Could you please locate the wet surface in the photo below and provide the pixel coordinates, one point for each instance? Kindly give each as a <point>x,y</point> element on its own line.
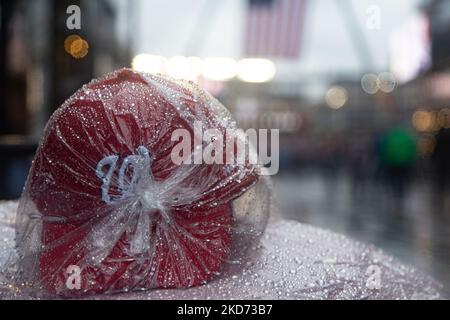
<point>302,261</point>
<point>293,261</point>
<point>414,230</point>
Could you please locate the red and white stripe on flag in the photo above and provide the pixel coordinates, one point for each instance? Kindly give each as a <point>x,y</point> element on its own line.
<point>274,28</point>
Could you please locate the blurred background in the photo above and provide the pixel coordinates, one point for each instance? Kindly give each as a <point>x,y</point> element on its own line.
<point>360,90</point>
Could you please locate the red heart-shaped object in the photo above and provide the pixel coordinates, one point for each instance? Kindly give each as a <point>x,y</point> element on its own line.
<point>111,202</point>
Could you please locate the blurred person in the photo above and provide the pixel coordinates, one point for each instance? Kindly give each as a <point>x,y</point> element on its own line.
<point>398,154</point>
<point>363,165</point>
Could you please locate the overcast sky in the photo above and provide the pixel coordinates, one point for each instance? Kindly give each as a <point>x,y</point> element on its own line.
<point>166,27</point>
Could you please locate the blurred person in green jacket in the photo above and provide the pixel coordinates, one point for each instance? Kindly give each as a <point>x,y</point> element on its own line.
<point>398,155</point>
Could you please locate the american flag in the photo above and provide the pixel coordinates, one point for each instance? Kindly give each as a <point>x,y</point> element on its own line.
<point>274,28</point>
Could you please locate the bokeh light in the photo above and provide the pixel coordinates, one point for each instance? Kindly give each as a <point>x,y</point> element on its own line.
<point>76,46</point>
<point>370,83</point>
<point>180,67</point>
<point>387,82</point>
<point>149,63</point>
<point>426,145</point>
<point>336,97</point>
<point>422,120</point>
<point>79,48</point>
<point>443,118</point>
<point>219,68</point>
<point>68,41</point>
<point>256,70</point>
